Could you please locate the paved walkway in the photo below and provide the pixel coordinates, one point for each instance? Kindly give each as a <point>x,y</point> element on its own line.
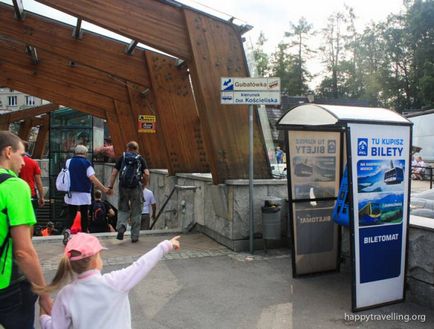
<point>419,186</point>
<point>206,285</point>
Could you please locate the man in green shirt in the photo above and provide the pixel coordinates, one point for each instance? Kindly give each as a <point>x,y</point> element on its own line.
<point>19,262</point>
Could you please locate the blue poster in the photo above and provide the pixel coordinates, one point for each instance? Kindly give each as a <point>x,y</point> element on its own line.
<point>380,173</point>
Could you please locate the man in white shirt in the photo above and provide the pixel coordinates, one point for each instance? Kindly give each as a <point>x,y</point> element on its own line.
<point>149,202</point>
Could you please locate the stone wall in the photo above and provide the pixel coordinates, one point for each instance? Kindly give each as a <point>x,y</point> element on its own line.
<point>420,265</point>
<point>220,211</point>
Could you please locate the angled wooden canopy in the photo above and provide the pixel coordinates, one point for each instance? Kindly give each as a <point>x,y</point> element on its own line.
<point>29,118</point>
<point>112,80</point>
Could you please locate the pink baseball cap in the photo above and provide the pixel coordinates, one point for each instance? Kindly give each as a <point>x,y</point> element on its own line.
<point>86,244</point>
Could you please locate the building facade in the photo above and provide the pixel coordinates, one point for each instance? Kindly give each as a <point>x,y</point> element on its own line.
<point>13,100</point>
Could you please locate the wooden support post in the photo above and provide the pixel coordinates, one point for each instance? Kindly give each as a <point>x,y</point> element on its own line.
<point>152,146</point>
<point>42,138</point>
<point>25,129</point>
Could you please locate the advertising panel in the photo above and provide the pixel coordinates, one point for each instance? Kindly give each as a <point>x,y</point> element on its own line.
<point>314,167</point>
<point>380,172</point>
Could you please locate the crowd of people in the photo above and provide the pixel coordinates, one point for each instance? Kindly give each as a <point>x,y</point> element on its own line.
<point>22,282</point>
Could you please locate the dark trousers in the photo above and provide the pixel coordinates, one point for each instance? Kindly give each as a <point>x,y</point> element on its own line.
<point>72,211</point>
<point>17,306</point>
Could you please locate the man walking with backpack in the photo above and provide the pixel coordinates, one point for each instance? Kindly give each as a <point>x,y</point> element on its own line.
<point>133,177</point>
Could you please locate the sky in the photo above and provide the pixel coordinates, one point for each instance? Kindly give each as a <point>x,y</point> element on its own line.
<point>273,16</point>
<point>270,16</point>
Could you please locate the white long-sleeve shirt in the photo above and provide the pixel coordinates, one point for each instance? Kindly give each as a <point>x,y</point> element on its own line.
<point>101,301</point>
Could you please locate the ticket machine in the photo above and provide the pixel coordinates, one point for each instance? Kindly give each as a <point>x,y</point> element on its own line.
<point>350,166</point>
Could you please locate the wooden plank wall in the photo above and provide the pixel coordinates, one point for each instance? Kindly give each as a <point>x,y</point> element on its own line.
<point>217,52</point>
<point>151,145</point>
<point>177,115</point>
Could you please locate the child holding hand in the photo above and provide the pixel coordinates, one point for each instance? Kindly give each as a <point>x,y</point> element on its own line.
<point>93,300</point>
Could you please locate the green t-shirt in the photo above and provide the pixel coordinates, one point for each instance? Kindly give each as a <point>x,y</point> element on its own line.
<point>15,198</point>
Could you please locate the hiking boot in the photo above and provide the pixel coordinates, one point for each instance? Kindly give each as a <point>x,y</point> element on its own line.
<point>121,232</point>
<point>66,236</point>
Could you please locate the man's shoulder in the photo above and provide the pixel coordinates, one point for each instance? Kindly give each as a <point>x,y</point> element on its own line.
<point>13,180</point>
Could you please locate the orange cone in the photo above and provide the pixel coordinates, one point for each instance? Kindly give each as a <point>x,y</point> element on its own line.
<point>76,226</point>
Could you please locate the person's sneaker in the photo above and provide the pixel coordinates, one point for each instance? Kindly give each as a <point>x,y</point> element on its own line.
<point>66,236</point>
<point>134,240</point>
<point>121,232</point>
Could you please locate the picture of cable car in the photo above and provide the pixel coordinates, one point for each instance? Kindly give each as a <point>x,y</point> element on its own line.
<point>303,170</point>
<point>395,175</point>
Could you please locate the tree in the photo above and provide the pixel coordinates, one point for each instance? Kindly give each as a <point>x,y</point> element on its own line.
<point>299,35</point>
<point>261,57</point>
<point>420,29</point>
<point>332,51</point>
<point>281,66</point>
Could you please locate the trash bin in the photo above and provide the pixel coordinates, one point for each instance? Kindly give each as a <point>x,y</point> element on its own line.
<point>271,223</point>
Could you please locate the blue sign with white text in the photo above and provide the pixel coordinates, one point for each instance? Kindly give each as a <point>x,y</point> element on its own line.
<point>380,252</point>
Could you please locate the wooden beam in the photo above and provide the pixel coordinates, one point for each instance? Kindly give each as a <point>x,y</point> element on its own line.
<point>56,67</point>
<point>217,52</point>
<point>39,121</point>
<point>57,87</point>
<point>50,93</point>
<point>41,139</point>
<point>30,112</point>
<point>115,130</point>
<point>152,146</point>
<point>4,125</point>
<point>152,22</point>
<point>126,121</point>
<point>93,50</point>
<point>177,114</point>
<point>25,128</point>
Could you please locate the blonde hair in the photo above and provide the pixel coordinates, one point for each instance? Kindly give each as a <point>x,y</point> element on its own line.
<point>80,149</point>
<point>65,272</point>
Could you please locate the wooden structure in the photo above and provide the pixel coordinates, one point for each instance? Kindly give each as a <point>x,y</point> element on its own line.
<point>118,82</point>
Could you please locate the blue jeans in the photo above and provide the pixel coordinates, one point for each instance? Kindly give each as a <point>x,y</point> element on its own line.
<point>17,306</point>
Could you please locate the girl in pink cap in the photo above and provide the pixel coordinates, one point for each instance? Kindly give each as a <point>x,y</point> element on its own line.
<point>93,300</point>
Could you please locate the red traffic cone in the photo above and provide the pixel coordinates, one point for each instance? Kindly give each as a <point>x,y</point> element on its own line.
<point>76,226</point>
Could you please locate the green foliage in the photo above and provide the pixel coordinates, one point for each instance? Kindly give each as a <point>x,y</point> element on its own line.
<point>390,64</point>
<point>261,57</point>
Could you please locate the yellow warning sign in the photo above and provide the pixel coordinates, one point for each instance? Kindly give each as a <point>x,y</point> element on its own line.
<point>147,124</point>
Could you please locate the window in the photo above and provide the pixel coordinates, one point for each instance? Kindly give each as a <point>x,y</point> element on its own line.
<point>12,100</point>
<point>30,100</point>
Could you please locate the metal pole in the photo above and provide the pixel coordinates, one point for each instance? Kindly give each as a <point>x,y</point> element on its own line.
<point>251,218</point>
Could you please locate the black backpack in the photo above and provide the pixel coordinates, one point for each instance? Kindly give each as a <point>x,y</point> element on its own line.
<point>131,170</point>
<point>99,213</point>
